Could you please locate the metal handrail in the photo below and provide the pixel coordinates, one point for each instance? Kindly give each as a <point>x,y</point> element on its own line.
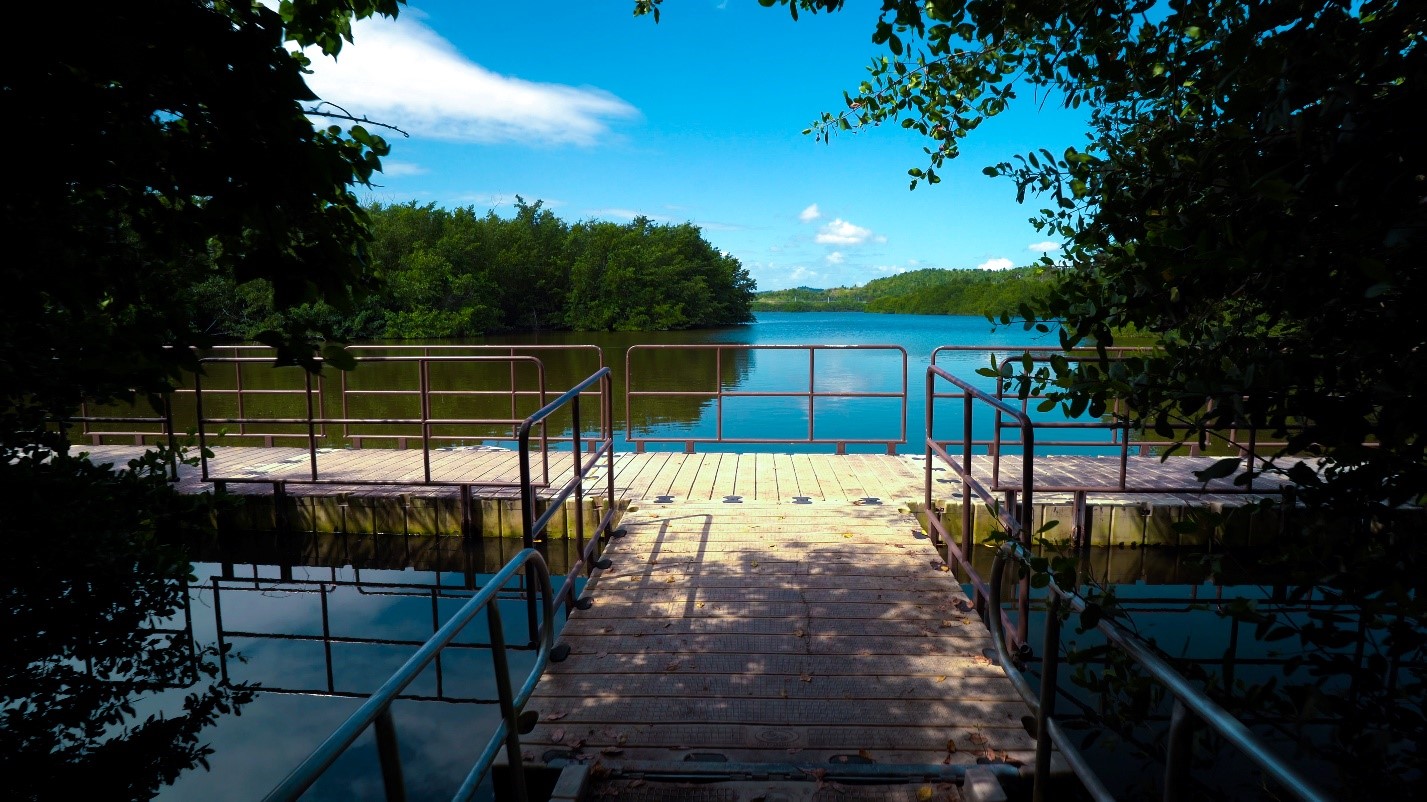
<point>377,709</point>
<point>1118,427</point>
<point>162,426</point>
<point>718,394</point>
<point>1191,705</point>
<point>314,421</point>
<point>1016,518</point>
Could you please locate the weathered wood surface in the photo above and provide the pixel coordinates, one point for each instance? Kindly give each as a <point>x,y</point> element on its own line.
<point>776,632</point>
<point>696,477</point>
<point>669,477</point>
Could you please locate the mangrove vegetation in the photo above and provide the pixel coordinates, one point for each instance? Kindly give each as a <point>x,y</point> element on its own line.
<point>441,273</point>
<point>931,291</point>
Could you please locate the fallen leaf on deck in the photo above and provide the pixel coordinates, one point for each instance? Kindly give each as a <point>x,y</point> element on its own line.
<point>806,677</point>
<point>941,678</point>
<point>557,736</point>
<point>674,666</point>
<point>555,716</point>
<point>798,633</point>
<point>947,623</point>
<point>699,604</point>
<point>924,793</point>
<point>978,739</point>
<point>950,745</point>
<point>611,750</point>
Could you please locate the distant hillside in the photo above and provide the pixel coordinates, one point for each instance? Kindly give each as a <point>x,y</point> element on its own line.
<point>932,291</point>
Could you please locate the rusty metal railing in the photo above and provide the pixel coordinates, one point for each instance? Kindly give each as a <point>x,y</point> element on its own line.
<point>1192,707</point>
<point>810,394</point>
<point>1240,440</point>
<point>542,605</point>
<point>133,422</point>
<point>1015,516</point>
<point>311,427</point>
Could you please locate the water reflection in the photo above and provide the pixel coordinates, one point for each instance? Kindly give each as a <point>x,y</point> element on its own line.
<point>319,622</point>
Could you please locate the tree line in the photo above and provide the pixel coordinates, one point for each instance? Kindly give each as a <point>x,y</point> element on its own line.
<point>442,273</point>
<point>931,291</point>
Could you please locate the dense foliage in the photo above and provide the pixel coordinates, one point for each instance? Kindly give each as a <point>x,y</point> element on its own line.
<point>1251,194</point>
<point>167,144</point>
<point>455,273</point>
<point>931,291</point>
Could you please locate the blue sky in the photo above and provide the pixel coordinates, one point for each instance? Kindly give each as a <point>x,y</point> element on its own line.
<point>602,115</point>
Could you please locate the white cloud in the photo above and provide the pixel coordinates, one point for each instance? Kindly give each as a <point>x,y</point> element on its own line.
<point>841,232</point>
<point>835,258</point>
<point>999,263</point>
<point>403,73</point>
<point>1044,247</point>
<point>801,273</point>
<point>392,169</point>
<point>891,269</point>
<point>810,214</point>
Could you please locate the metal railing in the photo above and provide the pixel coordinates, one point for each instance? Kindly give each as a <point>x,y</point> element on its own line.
<point>98,423</point>
<point>376,711</point>
<point>810,394</point>
<point>1120,437</point>
<point>1192,707</point>
<point>311,427</point>
<point>1015,517</point>
<point>1010,637</point>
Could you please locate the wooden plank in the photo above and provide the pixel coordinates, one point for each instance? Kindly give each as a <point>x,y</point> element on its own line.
<point>759,629</point>
<point>746,480</point>
<point>701,487</point>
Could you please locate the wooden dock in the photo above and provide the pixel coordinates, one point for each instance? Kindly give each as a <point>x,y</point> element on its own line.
<point>407,507</point>
<point>769,632</point>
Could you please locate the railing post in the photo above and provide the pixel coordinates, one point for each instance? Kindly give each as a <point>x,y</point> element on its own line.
<point>508,713</point>
<point>311,427</point>
<point>1177,761</point>
<point>425,383</point>
<point>1050,664</point>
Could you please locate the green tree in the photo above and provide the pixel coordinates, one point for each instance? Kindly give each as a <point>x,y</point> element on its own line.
<point>1252,194</point>
<point>169,151</point>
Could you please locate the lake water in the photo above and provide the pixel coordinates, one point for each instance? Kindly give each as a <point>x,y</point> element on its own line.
<point>321,621</point>
<point>786,371</point>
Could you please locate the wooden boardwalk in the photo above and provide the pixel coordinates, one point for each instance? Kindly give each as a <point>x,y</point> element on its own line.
<point>408,507</point>
<point>776,632</point>
<point>677,476</point>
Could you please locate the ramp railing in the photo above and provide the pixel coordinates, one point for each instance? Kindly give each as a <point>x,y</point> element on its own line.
<point>542,607</point>
<point>1192,709</point>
